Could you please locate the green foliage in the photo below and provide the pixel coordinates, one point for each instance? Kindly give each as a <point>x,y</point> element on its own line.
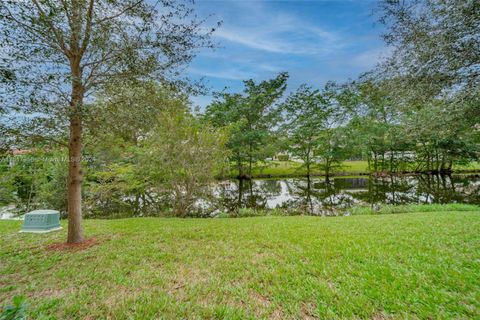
<point>435,52</point>
<point>375,123</point>
<point>306,115</point>
<point>159,162</point>
<point>35,180</point>
<point>395,138</point>
<point>101,43</point>
<point>125,111</point>
<point>17,311</point>
<point>356,210</point>
<point>148,155</point>
<point>7,188</point>
<point>180,159</point>
<point>431,80</point>
<point>116,190</point>
<point>250,118</point>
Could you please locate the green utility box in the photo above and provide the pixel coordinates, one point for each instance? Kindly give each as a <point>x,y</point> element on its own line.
<point>41,221</point>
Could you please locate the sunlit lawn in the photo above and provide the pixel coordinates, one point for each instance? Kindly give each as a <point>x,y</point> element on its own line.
<point>416,265</point>
<point>292,168</point>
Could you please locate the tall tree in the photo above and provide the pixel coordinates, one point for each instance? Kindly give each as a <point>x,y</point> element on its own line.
<point>61,51</point>
<point>436,52</point>
<point>251,117</point>
<point>433,75</point>
<point>306,114</point>
<point>335,137</point>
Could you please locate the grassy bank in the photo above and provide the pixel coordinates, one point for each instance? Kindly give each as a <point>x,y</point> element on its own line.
<point>272,169</point>
<point>413,208</point>
<point>357,210</point>
<point>416,265</point>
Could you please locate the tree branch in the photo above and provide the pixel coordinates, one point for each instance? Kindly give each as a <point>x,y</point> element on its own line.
<point>120,13</point>
<point>88,28</point>
<point>55,31</point>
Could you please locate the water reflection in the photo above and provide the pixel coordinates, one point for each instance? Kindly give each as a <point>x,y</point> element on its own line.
<point>318,196</point>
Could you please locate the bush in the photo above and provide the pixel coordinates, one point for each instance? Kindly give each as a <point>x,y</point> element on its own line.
<point>180,159</point>
<point>283,157</point>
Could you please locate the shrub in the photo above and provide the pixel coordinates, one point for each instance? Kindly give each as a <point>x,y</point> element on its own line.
<point>283,157</point>
<point>180,159</point>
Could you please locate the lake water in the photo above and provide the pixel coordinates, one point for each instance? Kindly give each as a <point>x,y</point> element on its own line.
<point>318,196</point>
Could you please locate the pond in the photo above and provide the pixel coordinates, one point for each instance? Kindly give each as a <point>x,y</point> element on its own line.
<point>318,196</point>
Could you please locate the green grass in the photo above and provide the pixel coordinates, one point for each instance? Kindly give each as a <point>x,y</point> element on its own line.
<point>416,265</point>
<point>473,166</point>
<point>293,169</point>
<point>357,210</point>
<point>393,209</point>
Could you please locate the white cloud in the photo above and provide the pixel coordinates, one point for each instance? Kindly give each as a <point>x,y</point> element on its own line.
<point>256,26</point>
<point>250,40</point>
<point>228,74</point>
<point>300,41</point>
<point>369,59</point>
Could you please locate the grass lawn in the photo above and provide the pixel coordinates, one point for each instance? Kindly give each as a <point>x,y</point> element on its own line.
<point>291,169</point>
<point>415,265</point>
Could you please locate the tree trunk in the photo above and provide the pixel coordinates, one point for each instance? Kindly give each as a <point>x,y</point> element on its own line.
<point>308,163</point>
<point>309,196</point>
<point>327,170</point>
<point>75,231</point>
<point>250,161</point>
<point>391,160</point>
<point>240,193</point>
<point>383,159</point>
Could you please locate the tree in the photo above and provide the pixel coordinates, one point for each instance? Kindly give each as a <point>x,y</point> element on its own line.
<point>180,158</point>
<point>335,137</point>
<point>434,78</point>
<point>437,143</point>
<point>333,148</point>
<point>112,116</point>
<point>251,118</point>
<point>33,180</point>
<point>305,117</point>
<point>378,121</point>
<point>62,51</point>
<point>436,53</point>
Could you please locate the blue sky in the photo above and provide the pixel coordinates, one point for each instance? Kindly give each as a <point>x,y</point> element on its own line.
<point>315,41</point>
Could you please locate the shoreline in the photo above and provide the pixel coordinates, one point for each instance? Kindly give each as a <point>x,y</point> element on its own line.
<point>348,174</point>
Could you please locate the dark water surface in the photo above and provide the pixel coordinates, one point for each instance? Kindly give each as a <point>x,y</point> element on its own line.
<point>318,196</point>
